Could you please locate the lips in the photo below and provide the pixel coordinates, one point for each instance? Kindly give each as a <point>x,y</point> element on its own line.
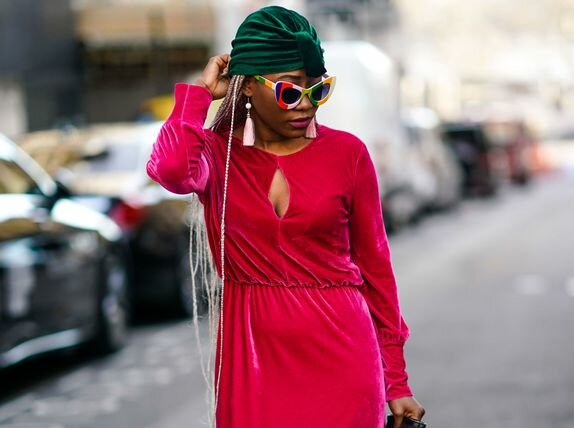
<point>301,122</point>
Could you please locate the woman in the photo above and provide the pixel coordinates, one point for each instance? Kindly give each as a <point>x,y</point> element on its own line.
<point>311,333</point>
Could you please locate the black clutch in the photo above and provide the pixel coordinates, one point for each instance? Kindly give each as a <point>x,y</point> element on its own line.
<point>407,422</point>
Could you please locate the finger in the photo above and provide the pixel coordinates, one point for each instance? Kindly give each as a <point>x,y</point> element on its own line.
<point>219,60</point>
<point>398,421</point>
<point>223,59</point>
<point>420,414</point>
<point>212,67</point>
<point>416,414</point>
<point>224,73</point>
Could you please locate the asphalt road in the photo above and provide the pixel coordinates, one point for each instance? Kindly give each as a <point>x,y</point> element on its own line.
<point>487,290</point>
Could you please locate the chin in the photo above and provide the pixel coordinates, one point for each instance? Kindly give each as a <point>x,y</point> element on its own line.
<point>295,133</point>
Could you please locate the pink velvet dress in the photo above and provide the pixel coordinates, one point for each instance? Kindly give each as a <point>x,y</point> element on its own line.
<point>313,333</point>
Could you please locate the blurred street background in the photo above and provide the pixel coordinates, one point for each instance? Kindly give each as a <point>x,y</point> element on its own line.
<point>467,109</point>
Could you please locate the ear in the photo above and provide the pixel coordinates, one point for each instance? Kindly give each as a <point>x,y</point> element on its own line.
<point>247,87</point>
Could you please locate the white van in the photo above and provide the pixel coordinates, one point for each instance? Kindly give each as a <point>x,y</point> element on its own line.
<point>365,102</point>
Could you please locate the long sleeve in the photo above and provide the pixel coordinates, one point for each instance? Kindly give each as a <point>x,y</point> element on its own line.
<point>371,253</point>
<point>178,161</point>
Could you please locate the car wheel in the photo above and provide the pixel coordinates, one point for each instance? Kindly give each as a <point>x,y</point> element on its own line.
<point>521,179</point>
<point>113,306</point>
<point>388,221</point>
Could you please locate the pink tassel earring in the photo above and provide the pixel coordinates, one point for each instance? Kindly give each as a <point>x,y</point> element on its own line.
<point>248,130</point>
<point>311,131</point>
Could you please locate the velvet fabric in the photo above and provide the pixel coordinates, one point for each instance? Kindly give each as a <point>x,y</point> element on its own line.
<point>313,333</point>
<point>275,39</point>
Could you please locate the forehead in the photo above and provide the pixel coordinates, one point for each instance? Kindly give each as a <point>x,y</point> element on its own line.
<point>296,76</point>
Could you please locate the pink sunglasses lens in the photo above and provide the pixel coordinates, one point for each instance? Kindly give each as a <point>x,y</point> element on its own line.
<point>290,95</point>
<point>286,94</point>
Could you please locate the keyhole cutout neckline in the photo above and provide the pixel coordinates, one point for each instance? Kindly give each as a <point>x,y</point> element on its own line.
<point>282,200</point>
<point>278,170</point>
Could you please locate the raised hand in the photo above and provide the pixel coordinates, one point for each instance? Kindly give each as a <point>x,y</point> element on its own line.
<point>214,76</point>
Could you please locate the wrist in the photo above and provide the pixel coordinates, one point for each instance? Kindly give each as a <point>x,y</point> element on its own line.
<point>199,82</point>
<point>191,103</point>
<point>399,396</point>
<point>396,390</point>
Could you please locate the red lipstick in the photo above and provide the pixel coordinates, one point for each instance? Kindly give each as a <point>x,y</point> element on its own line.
<point>300,123</point>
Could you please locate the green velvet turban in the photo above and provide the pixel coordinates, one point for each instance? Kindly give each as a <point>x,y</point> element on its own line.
<point>274,39</point>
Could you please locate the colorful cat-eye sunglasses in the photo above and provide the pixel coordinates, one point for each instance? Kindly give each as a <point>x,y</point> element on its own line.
<point>289,95</point>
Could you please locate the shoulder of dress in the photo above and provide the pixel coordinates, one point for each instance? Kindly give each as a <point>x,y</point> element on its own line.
<point>215,139</point>
<point>344,140</point>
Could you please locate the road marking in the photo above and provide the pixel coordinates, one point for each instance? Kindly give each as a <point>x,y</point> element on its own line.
<point>570,286</point>
<point>531,285</point>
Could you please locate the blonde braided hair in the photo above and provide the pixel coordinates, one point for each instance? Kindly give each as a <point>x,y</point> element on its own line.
<point>231,112</point>
<point>222,120</point>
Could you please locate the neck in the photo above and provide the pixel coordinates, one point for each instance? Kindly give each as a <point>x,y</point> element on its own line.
<point>270,141</point>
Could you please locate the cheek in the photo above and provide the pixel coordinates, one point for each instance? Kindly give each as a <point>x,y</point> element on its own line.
<point>264,100</point>
<point>270,112</point>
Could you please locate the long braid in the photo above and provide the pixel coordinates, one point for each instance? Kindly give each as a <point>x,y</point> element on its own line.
<point>223,116</point>
<point>222,239</point>
<point>231,113</point>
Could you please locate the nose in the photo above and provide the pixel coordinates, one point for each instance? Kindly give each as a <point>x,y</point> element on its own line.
<point>305,103</point>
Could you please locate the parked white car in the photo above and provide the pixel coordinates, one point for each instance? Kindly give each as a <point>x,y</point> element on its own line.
<point>366,103</point>
<point>443,189</point>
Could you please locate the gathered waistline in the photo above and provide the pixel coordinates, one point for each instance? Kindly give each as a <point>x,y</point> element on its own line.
<point>294,284</point>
